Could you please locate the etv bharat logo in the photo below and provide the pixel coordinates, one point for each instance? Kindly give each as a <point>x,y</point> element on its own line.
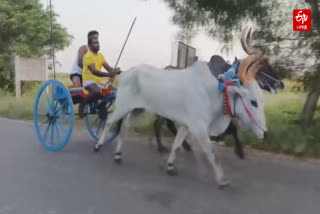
<point>301,20</point>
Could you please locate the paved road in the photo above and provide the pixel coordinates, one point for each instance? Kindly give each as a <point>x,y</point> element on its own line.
<point>76,180</point>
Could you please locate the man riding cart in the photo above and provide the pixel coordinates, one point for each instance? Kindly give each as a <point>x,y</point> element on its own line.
<point>94,80</point>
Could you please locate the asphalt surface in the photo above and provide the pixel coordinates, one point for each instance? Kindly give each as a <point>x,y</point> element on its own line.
<point>76,180</point>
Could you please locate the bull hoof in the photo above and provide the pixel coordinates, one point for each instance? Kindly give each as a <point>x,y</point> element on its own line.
<point>163,149</point>
<point>118,161</point>
<point>240,154</point>
<point>224,183</point>
<point>187,147</point>
<point>172,170</point>
<point>118,158</point>
<point>97,147</point>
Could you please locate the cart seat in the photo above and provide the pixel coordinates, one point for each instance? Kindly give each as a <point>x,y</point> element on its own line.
<point>78,94</point>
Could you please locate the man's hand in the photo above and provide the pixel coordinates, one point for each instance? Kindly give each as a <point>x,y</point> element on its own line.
<point>112,74</point>
<point>117,71</point>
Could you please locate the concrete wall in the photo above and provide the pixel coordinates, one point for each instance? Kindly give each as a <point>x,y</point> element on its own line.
<point>29,69</point>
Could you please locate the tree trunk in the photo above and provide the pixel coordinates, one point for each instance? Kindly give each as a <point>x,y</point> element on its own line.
<point>310,105</point>
<point>309,109</point>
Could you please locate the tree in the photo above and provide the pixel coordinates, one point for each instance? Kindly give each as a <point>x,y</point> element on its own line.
<point>313,79</point>
<point>292,51</point>
<point>220,19</point>
<point>25,30</point>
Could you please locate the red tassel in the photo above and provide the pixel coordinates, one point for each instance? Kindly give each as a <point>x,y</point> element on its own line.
<point>226,100</point>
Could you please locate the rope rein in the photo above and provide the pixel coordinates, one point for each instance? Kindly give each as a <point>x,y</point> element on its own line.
<point>227,106</point>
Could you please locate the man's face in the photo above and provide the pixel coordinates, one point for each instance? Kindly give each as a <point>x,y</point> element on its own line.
<point>95,45</point>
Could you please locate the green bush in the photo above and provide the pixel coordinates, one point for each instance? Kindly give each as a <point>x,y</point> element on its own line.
<point>6,73</point>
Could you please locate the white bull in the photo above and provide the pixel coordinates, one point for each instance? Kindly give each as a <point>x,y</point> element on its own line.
<point>192,99</point>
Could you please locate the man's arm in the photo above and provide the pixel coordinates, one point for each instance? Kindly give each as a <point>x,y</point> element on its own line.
<point>107,67</point>
<point>99,73</point>
<point>82,51</point>
<point>110,69</point>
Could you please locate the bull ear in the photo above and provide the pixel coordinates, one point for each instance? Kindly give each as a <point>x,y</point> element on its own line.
<point>238,90</point>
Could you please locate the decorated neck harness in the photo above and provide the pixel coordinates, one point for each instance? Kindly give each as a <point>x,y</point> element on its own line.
<point>231,78</point>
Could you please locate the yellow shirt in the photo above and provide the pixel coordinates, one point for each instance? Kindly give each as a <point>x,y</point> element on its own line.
<point>96,59</point>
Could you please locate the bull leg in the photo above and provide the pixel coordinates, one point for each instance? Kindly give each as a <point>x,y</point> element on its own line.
<point>173,129</point>
<point>208,148</point>
<point>157,130</point>
<point>123,131</point>
<point>114,128</point>
<point>118,152</point>
<point>113,125</point>
<point>181,135</point>
<point>100,142</point>
<point>238,148</point>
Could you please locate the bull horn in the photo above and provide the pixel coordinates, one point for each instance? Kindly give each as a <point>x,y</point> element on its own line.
<point>245,41</point>
<point>253,69</point>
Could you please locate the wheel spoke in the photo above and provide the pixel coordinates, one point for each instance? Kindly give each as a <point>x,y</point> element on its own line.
<point>63,108</point>
<point>61,126</point>
<point>44,122</point>
<point>57,109</point>
<point>98,128</point>
<point>108,105</point>
<point>57,130</point>
<point>46,132</point>
<point>58,112</point>
<point>53,94</point>
<point>52,133</point>
<point>45,106</point>
<point>64,114</point>
<point>56,106</point>
<point>95,121</point>
<point>42,114</point>
<point>48,101</point>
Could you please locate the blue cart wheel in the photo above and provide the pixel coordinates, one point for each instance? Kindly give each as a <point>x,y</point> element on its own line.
<point>96,116</point>
<point>53,115</point>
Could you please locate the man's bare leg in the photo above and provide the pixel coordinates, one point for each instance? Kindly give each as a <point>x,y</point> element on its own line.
<point>76,82</point>
<point>94,94</point>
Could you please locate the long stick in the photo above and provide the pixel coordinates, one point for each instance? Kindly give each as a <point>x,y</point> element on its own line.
<point>112,79</point>
<point>125,41</point>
